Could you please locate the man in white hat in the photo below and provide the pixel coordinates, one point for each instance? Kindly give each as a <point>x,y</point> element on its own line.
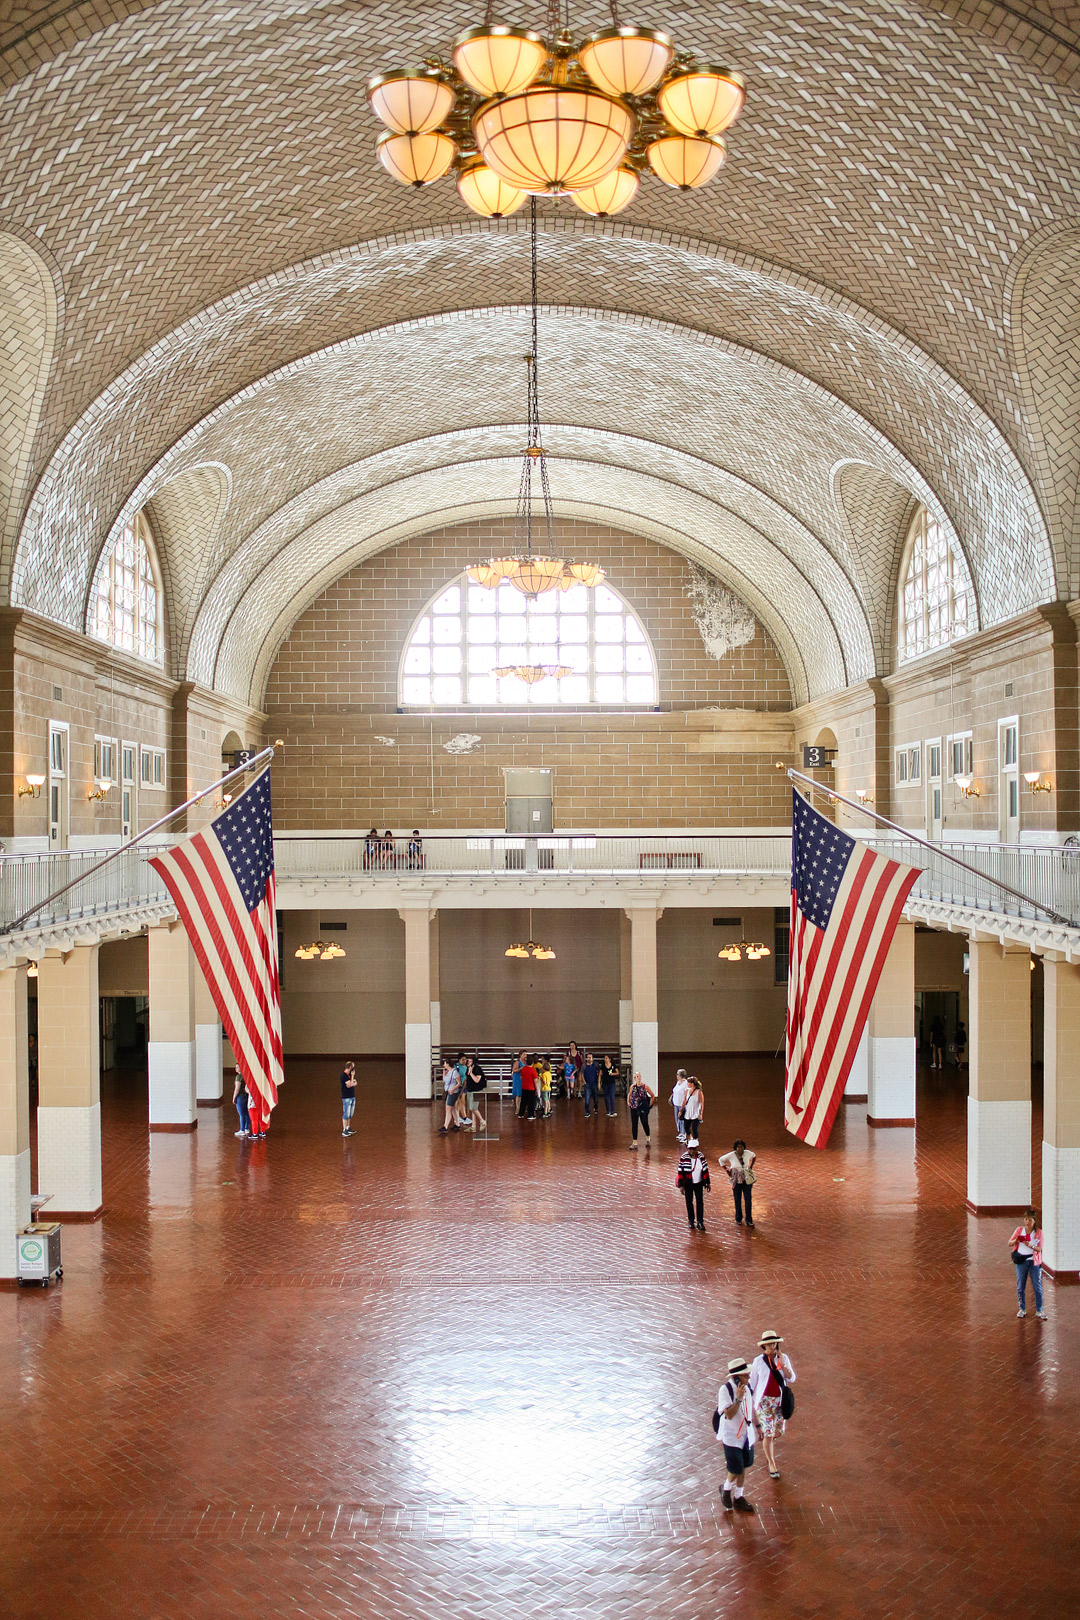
<point>736,1434</point>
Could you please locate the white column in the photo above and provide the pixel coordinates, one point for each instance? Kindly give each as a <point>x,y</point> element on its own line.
<point>14,1115</point>
<point>417,920</point>
<point>209,1064</point>
<point>170,1054</point>
<point>890,1091</point>
<point>434,1004</point>
<point>644,1033</point>
<point>999,1078</point>
<point>1061,1122</point>
<point>69,1096</point>
<point>626,983</point>
<point>857,1088</point>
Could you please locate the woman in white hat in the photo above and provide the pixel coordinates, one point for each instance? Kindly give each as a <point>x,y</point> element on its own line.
<point>770,1376</point>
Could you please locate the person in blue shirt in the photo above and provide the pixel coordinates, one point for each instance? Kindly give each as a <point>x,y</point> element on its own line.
<point>591,1072</point>
<point>515,1082</point>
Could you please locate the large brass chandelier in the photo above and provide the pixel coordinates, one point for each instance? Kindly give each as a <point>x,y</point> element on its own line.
<point>516,113</point>
<point>533,571</point>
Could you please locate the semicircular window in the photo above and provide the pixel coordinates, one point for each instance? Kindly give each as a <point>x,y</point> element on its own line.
<point>936,606</point>
<point>127,603</point>
<point>467,632</point>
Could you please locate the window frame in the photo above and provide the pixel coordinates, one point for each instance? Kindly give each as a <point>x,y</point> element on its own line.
<point>964,741</point>
<point>101,743</point>
<point>524,705</point>
<point>155,758</point>
<point>104,595</point>
<point>958,603</point>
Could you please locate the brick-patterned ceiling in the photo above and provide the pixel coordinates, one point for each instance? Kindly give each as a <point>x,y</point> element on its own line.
<point>242,318</point>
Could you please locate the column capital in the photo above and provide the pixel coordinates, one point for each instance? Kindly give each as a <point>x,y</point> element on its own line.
<point>421,908</point>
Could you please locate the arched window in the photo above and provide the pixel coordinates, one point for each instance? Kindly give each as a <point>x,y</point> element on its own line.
<point>467,632</point>
<point>127,611</point>
<point>934,599</point>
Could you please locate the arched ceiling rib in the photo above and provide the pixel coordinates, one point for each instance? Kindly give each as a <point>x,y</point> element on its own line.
<point>779,594</point>
<point>728,406</point>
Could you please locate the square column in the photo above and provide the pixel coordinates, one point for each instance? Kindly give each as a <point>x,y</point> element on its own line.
<point>435,1005</point>
<point>170,1054</point>
<point>999,1078</point>
<point>69,1094</point>
<point>644,1032</point>
<point>890,1090</point>
<point>209,1085</point>
<point>1061,1122</point>
<point>857,1088</point>
<point>417,920</point>
<point>14,1115</point>
<point>626,990</point>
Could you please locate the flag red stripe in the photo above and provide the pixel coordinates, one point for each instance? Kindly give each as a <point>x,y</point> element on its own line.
<point>228,907</point>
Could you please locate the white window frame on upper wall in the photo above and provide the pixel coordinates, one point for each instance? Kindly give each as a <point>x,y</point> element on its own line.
<point>154,758</point>
<point>105,759</point>
<point>127,605</point>
<point>935,808</point>
<point>935,602</point>
<point>59,783</point>
<point>129,788</point>
<point>482,608</point>
<point>900,762</point>
<point>963,741</point>
<point>1008,777</point>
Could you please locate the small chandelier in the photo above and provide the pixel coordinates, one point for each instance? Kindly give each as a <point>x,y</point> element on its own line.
<point>320,950</point>
<point>517,114</point>
<point>735,953</point>
<point>534,572</point>
<point>522,952</point>
<point>531,673</point>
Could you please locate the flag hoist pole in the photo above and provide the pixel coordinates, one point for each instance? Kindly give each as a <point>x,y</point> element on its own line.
<point>265,755</point>
<point>935,849</point>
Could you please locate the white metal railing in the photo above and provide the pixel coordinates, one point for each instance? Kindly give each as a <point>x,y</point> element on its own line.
<point>1049,877</point>
<point>496,855</point>
<point>27,881</point>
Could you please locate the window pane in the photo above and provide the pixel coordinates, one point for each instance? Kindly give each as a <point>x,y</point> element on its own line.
<point>609,689</point>
<point>449,601</point>
<point>417,661</point>
<point>638,660</point>
<point>609,658</point>
<point>640,689</point>
<point>415,690</point>
<point>606,601</point>
<point>446,660</point>
<point>422,633</point>
<point>634,632</point>
<point>509,600</point>
<point>483,689</point>
<point>448,629</point>
<point>574,689</point>
<point>608,627</point>
<point>482,630</point>
<point>575,600</point>
<point>573,627</point>
<point>481,660</point>
<point>480,601</point>
<point>446,689</point>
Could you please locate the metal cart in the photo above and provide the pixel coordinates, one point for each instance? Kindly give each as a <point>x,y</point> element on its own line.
<point>37,1248</point>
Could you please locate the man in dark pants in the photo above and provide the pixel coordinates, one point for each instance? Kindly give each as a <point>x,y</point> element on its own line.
<point>693,1178</point>
<point>528,1087</point>
<point>591,1072</point>
<point>736,1433</point>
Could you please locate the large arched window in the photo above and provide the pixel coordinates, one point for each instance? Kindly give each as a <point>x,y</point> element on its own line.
<point>934,601</point>
<point>127,609</point>
<point>467,632</point>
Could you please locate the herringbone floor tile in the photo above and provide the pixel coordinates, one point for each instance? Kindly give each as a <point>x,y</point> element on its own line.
<point>406,1375</point>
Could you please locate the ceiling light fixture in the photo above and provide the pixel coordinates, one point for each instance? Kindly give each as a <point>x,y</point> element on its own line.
<point>531,673</point>
<point>547,116</point>
<point>320,950</point>
<point>530,571</point>
<point>523,951</point>
<point>735,953</point>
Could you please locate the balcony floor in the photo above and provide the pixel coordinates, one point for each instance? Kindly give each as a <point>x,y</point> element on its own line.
<point>408,1375</point>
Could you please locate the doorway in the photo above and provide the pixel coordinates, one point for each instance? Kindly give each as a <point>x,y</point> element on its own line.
<point>1009,780</point>
<point>528,803</point>
<point>933,788</point>
<point>58,784</point>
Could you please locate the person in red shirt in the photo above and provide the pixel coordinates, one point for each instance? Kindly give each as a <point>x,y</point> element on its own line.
<point>529,1079</point>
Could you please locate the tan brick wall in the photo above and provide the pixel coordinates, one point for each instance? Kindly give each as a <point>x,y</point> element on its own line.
<point>333,689</point>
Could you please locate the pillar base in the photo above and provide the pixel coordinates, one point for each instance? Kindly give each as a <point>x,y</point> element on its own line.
<point>418,1063</point>
<point>857,1085</point>
<point>891,1080</point>
<point>210,1102</point>
<point>73,1215</point>
<point>645,1047</point>
<point>69,1160</point>
<point>171,1072</point>
<point>999,1154</point>
<point>1062,1279</point>
<point>14,1205</point>
<point>208,1066</point>
<point>1061,1211</point>
<point>888,1124</point>
<point>993,1209</point>
<point>184,1130</point>
<point>854,1096</point>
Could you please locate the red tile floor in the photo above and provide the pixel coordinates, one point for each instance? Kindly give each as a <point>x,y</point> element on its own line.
<point>410,1375</point>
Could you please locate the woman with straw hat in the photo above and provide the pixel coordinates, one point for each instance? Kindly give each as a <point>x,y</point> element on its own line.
<point>770,1378</point>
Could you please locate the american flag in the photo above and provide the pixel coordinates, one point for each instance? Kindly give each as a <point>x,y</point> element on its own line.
<point>845,904</point>
<point>222,881</point>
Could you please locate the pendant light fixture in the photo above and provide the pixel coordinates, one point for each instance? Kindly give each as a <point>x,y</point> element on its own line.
<point>735,953</point>
<point>530,948</point>
<point>533,570</point>
<point>320,950</point>
<point>548,116</point>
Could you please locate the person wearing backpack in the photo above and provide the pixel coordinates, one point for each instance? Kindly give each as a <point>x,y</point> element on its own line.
<point>733,1421</point>
<point>771,1378</point>
<point>692,1178</point>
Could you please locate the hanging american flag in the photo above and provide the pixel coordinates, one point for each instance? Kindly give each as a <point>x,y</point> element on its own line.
<point>222,881</point>
<point>845,904</point>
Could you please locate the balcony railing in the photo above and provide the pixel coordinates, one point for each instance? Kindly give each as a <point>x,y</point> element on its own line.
<point>1050,877</point>
<point>503,855</point>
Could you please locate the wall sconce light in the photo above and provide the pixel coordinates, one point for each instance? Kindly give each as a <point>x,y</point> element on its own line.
<point>100,789</point>
<point>864,795</point>
<point>32,971</point>
<point>223,802</point>
<point>1034,780</point>
<point>34,785</point>
<point>967,787</point>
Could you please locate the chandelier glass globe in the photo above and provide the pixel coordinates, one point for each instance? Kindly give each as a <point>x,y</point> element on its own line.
<point>702,101</point>
<point>416,160</point>
<point>485,192</point>
<point>610,195</point>
<point>498,61</point>
<point>410,103</point>
<point>626,61</point>
<point>554,138</point>
<point>685,161</point>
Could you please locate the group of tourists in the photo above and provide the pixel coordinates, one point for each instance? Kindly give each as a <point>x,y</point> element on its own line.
<point>753,1398</point>
<point>463,1083</point>
<point>381,852</point>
